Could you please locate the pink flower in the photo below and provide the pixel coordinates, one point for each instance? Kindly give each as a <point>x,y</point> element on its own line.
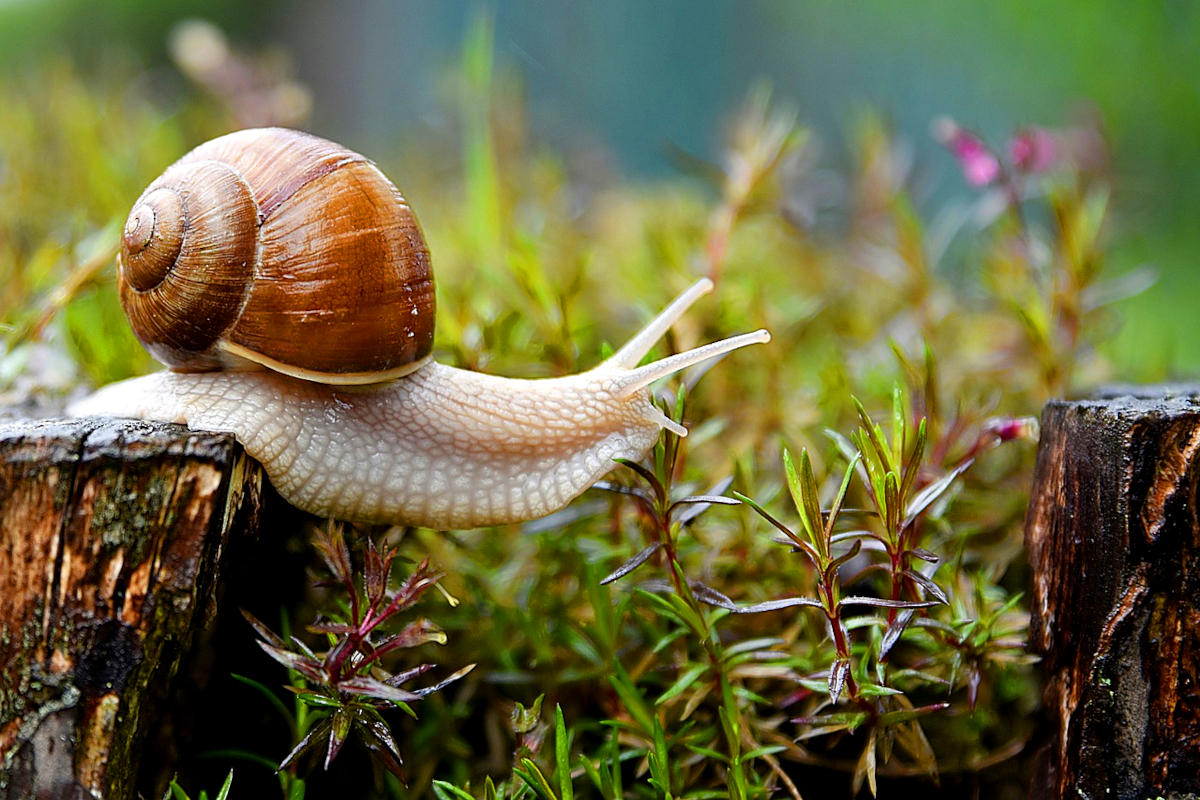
<point>1008,428</point>
<point>979,165</point>
<point>1033,150</point>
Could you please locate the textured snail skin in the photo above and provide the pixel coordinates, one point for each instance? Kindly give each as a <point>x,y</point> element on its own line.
<point>442,447</point>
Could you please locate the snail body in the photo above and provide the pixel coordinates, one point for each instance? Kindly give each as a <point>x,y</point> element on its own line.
<point>410,441</point>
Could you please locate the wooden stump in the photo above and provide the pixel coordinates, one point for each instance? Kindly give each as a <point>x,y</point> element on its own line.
<point>112,535</point>
<point>1114,540</point>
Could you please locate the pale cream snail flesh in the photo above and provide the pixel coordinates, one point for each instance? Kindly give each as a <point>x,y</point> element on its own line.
<point>396,439</point>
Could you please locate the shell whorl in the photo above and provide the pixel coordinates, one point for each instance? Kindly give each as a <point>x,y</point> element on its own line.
<point>280,248</point>
<point>187,262</point>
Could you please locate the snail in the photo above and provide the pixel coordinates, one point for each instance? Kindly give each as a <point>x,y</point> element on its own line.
<point>286,284</point>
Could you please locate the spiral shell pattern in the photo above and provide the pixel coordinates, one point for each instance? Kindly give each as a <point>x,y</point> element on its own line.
<point>276,248</point>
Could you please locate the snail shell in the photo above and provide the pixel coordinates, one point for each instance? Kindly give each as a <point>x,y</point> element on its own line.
<point>276,248</point>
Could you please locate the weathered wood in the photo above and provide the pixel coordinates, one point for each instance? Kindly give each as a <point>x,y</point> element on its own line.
<point>112,535</point>
<point>1114,541</point>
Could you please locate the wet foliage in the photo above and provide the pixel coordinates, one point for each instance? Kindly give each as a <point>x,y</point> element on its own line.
<point>820,586</point>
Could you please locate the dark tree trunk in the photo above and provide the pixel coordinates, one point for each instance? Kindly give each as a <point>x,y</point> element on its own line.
<point>1114,541</point>
<point>112,537</point>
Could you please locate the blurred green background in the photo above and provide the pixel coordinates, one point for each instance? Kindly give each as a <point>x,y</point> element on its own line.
<point>627,87</point>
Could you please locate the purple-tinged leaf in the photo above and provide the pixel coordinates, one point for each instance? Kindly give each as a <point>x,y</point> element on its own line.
<point>879,602</point>
<point>698,504</point>
<point>413,635</point>
<point>894,632</point>
<point>928,585</point>
<point>633,491</point>
<point>305,649</point>
<point>909,714</point>
<point>265,633</point>
<point>338,731</point>
<point>974,679</point>
<point>378,738</point>
<point>841,720</point>
<point>838,672</point>
<point>775,605</point>
<point>629,566</point>
<point>370,687</point>
<point>926,497</point>
<point>295,661</point>
<point>331,543</point>
<point>437,687</point>
<point>925,555</point>
<point>762,512</point>
<point>374,577</point>
<point>710,596</point>
<point>314,737</point>
<point>332,627</point>
<point>836,563</point>
<point>408,674</point>
<point>660,493</point>
<point>337,656</point>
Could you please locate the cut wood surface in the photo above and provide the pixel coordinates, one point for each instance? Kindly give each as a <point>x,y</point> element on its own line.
<point>1114,542</point>
<point>112,537</point>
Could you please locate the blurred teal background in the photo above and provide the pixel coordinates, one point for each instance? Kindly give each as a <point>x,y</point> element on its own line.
<point>629,83</point>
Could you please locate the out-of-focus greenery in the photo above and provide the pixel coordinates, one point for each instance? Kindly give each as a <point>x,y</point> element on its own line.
<point>665,685</point>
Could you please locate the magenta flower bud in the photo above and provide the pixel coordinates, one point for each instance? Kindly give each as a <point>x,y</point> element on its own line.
<point>1008,428</point>
<point>1033,150</point>
<point>979,165</point>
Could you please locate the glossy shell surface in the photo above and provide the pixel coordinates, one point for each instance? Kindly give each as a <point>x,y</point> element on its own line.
<point>280,248</point>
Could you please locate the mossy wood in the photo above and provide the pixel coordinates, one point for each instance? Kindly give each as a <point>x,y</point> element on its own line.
<point>112,535</point>
<point>1114,540</point>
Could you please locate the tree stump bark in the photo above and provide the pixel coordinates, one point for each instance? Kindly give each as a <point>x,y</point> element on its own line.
<point>112,538</point>
<point>1114,541</point>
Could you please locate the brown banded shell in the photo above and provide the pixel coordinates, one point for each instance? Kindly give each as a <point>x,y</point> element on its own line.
<point>283,249</point>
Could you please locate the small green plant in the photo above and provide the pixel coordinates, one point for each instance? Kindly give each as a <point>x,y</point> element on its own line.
<point>347,685</point>
<point>176,792</point>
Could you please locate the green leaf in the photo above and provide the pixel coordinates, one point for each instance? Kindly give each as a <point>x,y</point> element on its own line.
<point>899,425</point>
<point>447,791</point>
<point>708,753</point>
<point>836,509</point>
<point>876,438</point>
<point>908,714</point>
<point>762,512</point>
<point>660,761</point>
<point>803,487</point>
<point>759,752</point>
<point>632,699</point>
<point>913,467</point>
<point>690,676</point>
<point>271,698</point>
<point>891,505</point>
<point>224,793</point>
<point>562,755</point>
<point>533,777</point>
